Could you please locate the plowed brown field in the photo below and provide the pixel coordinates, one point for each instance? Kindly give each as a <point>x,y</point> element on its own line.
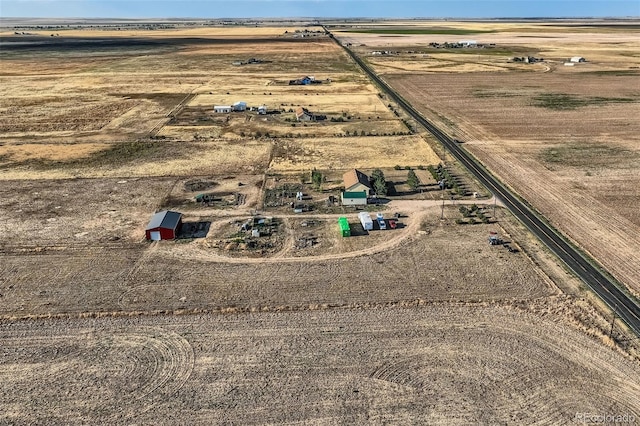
<point>579,166</point>
<point>342,366</point>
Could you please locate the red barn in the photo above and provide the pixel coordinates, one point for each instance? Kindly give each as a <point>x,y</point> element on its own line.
<point>164,226</point>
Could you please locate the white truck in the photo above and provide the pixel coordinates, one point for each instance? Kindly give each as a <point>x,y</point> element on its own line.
<point>366,221</point>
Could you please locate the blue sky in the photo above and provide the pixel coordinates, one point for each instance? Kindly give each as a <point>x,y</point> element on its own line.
<point>318,8</point>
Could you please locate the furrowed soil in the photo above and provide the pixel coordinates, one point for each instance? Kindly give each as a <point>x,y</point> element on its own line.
<point>340,366</point>
<point>577,165</point>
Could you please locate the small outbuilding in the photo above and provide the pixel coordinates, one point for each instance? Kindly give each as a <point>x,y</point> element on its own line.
<point>357,198</point>
<point>164,225</point>
<point>222,108</point>
<point>577,59</point>
<point>343,225</point>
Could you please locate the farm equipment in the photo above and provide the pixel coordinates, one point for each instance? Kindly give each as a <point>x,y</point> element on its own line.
<point>206,198</point>
<point>494,240</point>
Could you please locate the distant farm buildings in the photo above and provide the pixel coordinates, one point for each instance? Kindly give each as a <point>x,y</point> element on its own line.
<point>249,61</point>
<point>461,44</point>
<point>303,114</point>
<point>236,107</point>
<point>306,80</point>
<point>527,59</point>
<point>574,60</point>
<point>164,225</point>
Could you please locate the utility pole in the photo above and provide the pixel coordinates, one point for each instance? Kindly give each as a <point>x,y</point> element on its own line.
<point>442,212</point>
<point>495,200</point>
<point>613,321</point>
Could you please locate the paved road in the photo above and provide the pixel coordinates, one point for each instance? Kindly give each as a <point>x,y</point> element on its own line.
<point>625,306</point>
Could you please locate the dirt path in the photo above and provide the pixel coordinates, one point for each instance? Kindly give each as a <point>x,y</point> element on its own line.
<point>416,208</point>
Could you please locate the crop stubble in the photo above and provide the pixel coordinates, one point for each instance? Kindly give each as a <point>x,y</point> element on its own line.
<point>354,366</point>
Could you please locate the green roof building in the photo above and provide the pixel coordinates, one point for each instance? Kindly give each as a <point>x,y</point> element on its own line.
<point>355,198</point>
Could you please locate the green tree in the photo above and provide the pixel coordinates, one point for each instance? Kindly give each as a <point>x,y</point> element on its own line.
<point>380,187</point>
<point>379,182</point>
<point>377,174</point>
<point>316,179</point>
<point>412,180</point>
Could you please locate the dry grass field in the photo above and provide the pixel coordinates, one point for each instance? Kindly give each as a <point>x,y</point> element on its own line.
<point>425,323</point>
<point>566,138</point>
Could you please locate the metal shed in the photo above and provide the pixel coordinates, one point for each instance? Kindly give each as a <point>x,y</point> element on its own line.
<point>164,225</point>
<point>355,198</point>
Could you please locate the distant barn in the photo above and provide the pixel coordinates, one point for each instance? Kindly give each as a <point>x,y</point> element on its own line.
<point>164,225</point>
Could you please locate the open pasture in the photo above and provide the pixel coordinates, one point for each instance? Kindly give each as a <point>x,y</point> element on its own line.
<point>346,152</point>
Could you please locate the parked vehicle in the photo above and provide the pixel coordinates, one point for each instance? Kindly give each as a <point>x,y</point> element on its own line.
<point>365,220</point>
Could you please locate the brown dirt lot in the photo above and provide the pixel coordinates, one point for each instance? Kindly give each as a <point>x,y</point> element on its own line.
<point>192,276</point>
<point>391,365</point>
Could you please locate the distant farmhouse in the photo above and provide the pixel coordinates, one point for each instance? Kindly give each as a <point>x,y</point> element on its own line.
<point>239,106</point>
<point>250,61</point>
<point>303,114</point>
<point>574,60</point>
<point>304,81</point>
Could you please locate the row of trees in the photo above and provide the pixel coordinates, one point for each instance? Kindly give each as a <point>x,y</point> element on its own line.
<point>377,178</point>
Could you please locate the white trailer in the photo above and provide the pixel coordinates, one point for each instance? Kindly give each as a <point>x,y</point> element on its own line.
<point>366,221</point>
